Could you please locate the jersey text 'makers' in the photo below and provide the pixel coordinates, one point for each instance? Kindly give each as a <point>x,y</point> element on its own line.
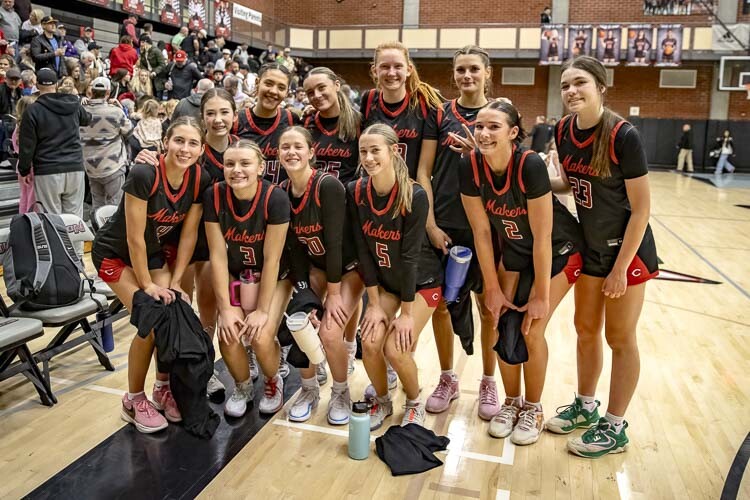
<point>265,132</point>
<point>393,252</point>
<point>505,200</point>
<point>407,121</point>
<point>332,155</point>
<point>243,223</point>
<point>602,202</point>
<point>166,208</point>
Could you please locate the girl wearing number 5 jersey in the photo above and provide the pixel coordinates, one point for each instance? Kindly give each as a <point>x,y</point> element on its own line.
<point>400,269</point>
<point>604,164</point>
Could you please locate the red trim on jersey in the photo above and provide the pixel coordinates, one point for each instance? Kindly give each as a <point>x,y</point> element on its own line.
<point>560,127</point>
<point>393,114</point>
<point>440,112</point>
<point>423,105</point>
<point>196,189</point>
<point>265,202</point>
<point>208,151</point>
<point>307,120</point>
<point>358,191</point>
<point>454,110</point>
<point>270,130</point>
<point>394,190</point>
<point>370,97</point>
<point>580,145</point>
<point>320,126</point>
<point>250,212</point>
<point>289,117</point>
<point>508,173</point>
<point>156,180</point>
<point>305,196</point>
<point>216,198</point>
<point>167,189</point>
<point>474,167</point>
<point>612,137</point>
<point>520,170</point>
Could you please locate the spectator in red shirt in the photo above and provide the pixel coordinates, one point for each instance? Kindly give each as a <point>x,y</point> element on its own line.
<point>123,56</point>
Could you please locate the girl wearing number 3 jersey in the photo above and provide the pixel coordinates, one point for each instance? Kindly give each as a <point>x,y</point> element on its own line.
<point>604,164</point>
<point>506,185</point>
<point>388,213</point>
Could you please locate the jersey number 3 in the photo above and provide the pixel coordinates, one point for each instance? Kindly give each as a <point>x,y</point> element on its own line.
<point>381,250</point>
<point>249,254</point>
<point>581,191</point>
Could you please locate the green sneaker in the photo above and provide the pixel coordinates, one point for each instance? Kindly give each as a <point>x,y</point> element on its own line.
<point>599,440</point>
<point>572,417</point>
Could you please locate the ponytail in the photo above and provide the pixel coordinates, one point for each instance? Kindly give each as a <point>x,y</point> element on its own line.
<point>349,119</point>
<point>416,88</point>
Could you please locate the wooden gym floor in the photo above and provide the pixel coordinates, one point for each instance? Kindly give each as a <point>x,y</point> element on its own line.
<point>689,418</point>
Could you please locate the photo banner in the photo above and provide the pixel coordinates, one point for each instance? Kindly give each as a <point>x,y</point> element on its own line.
<point>608,44</point>
<point>579,40</point>
<point>223,18</point>
<point>640,42</point>
<point>137,7</point>
<point>678,7</point>
<point>197,14</point>
<point>552,45</point>
<point>669,45</point>
<point>170,12</point>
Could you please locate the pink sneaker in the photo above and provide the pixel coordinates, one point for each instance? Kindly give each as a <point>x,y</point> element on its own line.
<point>141,413</point>
<point>445,392</point>
<point>164,401</point>
<point>488,403</point>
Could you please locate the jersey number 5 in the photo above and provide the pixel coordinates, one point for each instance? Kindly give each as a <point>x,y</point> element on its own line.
<point>381,250</point>
<point>511,230</point>
<point>581,191</point>
<point>249,254</point>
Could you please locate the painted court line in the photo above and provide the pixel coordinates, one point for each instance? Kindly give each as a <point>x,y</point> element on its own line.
<point>502,495</point>
<point>92,387</point>
<point>505,459</point>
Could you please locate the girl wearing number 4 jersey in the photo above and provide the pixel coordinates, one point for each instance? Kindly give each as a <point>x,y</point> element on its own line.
<point>388,213</point>
<point>318,201</point>
<point>507,186</point>
<point>604,164</point>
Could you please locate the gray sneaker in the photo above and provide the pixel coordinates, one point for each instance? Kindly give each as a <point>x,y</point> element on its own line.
<point>303,406</point>
<point>321,373</point>
<point>283,365</point>
<point>392,383</point>
<point>339,407</point>
<point>215,388</point>
<point>273,395</point>
<point>379,411</point>
<point>236,405</point>
<point>415,414</point>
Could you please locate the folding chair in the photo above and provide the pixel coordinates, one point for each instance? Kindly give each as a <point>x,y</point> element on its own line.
<point>100,217</point>
<point>14,334</point>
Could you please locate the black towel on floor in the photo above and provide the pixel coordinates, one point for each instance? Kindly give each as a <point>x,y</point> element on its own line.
<point>410,449</point>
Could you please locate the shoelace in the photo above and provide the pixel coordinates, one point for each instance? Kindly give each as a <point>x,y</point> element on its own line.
<point>144,406</point>
<point>600,429</point>
<point>270,388</point>
<point>564,410</point>
<point>443,388</point>
<point>487,396</point>
<point>527,419</point>
<point>339,400</point>
<point>411,412</point>
<point>239,394</point>
<point>507,413</point>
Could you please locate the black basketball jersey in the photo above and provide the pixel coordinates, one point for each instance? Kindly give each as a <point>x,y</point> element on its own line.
<point>505,200</point>
<point>319,221</point>
<point>407,121</point>
<point>266,133</point>
<point>332,155</point>
<point>166,208</point>
<point>212,161</point>
<point>393,252</point>
<point>243,223</point>
<point>446,199</point>
<point>602,202</point>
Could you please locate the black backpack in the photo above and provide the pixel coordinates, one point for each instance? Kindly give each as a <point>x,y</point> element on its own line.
<point>41,268</point>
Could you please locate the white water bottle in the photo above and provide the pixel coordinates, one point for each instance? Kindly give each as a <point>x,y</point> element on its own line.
<point>306,337</point>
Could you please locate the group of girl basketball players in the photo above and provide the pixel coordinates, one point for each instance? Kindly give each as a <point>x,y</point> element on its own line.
<point>405,178</point>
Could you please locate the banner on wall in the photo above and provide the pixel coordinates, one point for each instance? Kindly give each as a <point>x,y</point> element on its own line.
<point>223,18</point>
<point>196,14</point>
<point>579,40</point>
<point>608,44</point>
<point>101,3</point>
<point>669,45</point>
<point>678,7</point>
<point>170,12</point>
<point>248,15</point>
<point>640,41</point>
<point>137,7</point>
<point>552,45</point>
<point>726,39</point>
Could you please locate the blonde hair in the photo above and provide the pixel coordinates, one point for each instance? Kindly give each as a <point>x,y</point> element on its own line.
<point>139,88</point>
<point>475,50</point>
<point>150,109</point>
<point>21,106</point>
<point>37,15</point>
<point>404,195</point>
<point>415,87</point>
<point>252,145</point>
<point>349,119</point>
<point>170,105</point>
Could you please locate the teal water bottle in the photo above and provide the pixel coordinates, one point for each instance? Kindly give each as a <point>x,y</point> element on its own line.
<point>359,431</point>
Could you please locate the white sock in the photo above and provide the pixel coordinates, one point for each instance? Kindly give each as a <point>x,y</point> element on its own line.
<point>244,385</point>
<point>310,383</point>
<point>339,387</point>
<point>161,383</point>
<point>448,372</point>
<point>617,422</point>
<point>538,406</point>
<point>133,395</point>
<point>588,402</point>
<point>488,378</point>
<point>412,402</point>
<point>384,399</point>
<point>517,401</point>
<point>351,346</point>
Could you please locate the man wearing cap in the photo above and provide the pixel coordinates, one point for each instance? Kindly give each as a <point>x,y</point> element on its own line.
<point>285,59</point>
<point>226,58</point>
<point>70,50</point>
<point>104,152</point>
<point>47,49</point>
<point>10,92</point>
<point>183,76</point>
<point>101,66</point>
<point>82,44</point>
<point>152,60</point>
<point>10,22</point>
<point>49,139</point>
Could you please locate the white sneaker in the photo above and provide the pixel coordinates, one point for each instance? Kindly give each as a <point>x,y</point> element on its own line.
<point>283,365</point>
<point>415,414</point>
<point>215,388</point>
<point>273,395</point>
<point>379,411</point>
<point>321,373</point>
<point>392,383</point>
<point>503,423</point>
<point>530,425</point>
<point>351,352</point>
<point>339,407</point>
<point>236,405</point>
<point>302,408</point>
<point>253,362</point>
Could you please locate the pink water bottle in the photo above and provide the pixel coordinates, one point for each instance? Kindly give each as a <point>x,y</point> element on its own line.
<point>249,288</point>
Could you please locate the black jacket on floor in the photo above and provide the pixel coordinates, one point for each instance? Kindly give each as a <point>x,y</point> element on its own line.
<point>185,351</point>
<point>409,449</point>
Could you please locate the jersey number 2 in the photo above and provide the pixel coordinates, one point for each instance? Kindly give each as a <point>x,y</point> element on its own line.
<point>249,254</point>
<point>381,250</point>
<point>511,230</point>
<point>581,191</point>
